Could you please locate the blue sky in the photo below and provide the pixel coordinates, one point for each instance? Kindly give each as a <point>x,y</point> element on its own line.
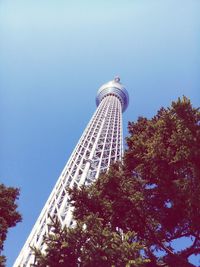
<point>55,55</point>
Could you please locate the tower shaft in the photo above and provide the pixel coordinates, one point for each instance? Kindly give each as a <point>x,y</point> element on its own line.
<point>99,146</point>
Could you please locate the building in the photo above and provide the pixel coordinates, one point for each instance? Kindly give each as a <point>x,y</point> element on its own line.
<point>100,145</point>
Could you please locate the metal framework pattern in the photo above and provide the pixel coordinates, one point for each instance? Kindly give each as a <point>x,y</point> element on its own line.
<point>100,145</point>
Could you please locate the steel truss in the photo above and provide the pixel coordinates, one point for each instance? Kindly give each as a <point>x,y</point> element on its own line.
<point>99,146</point>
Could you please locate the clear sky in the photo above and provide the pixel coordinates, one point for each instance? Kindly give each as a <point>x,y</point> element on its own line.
<point>55,54</point>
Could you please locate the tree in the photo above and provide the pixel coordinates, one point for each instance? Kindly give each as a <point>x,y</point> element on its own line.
<point>9,215</point>
<point>90,243</point>
<point>165,152</point>
<point>132,215</point>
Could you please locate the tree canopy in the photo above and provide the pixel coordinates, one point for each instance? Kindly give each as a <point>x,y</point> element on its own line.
<point>9,216</point>
<point>133,214</point>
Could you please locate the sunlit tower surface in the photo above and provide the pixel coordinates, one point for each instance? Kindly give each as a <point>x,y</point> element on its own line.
<point>100,145</point>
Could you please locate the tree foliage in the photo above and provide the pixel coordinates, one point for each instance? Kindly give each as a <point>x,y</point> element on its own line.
<point>90,243</point>
<point>132,215</point>
<point>9,216</point>
<point>165,153</point>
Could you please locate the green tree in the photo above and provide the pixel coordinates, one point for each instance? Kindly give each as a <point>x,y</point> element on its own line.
<point>9,215</point>
<point>165,152</point>
<point>90,243</point>
<point>132,215</point>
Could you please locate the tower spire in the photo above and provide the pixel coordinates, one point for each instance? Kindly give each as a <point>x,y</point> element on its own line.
<point>117,79</point>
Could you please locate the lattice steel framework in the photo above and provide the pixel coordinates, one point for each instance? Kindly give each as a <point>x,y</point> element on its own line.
<point>99,146</point>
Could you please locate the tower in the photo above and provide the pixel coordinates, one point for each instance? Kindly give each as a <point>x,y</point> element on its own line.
<point>99,146</point>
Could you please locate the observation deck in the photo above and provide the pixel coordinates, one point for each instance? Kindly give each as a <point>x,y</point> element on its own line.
<point>113,87</point>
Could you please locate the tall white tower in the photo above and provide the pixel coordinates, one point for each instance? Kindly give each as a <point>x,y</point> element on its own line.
<point>99,146</point>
